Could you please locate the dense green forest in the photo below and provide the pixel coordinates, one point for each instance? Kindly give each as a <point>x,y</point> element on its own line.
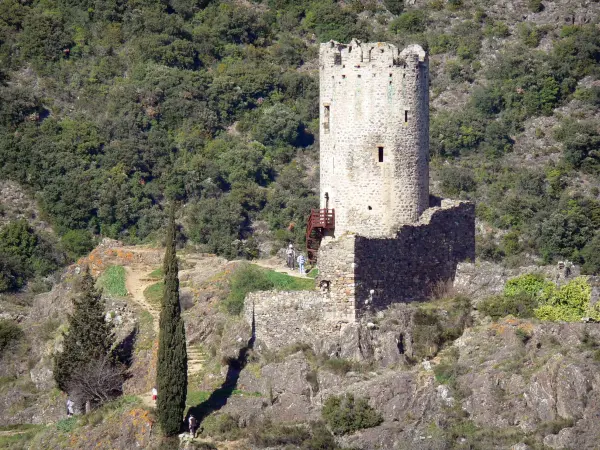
<point>110,108</point>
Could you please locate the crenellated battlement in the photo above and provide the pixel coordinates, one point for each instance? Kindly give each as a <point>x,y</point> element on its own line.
<point>359,54</point>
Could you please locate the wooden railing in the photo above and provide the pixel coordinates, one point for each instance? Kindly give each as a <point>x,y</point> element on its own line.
<point>318,221</point>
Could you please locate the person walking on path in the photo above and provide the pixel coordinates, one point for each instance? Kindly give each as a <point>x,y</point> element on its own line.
<point>193,423</point>
<point>290,256</point>
<point>70,406</point>
<point>301,261</point>
<point>154,394</point>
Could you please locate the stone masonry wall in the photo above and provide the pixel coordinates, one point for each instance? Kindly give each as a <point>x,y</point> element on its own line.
<point>373,273</point>
<point>285,318</point>
<point>374,135</point>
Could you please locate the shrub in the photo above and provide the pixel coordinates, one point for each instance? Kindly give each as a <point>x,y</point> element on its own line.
<point>221,426</point>
<point>77,243</point>
<point>519,305</point>
<point>271,435</point>
<point>338,366</point>
<point>67,425</point>
<point>447,370</point>
<point>456,180</point>
<point>23,254</point>
<point>247,278</point>
<point>426,334</point>
<point>394,6</point>
<point>346,415</point>
<point>568,303</point>
<point>10,333</point>
<point>591,255</point>
<point>409,22</point>
<point>531,284</point>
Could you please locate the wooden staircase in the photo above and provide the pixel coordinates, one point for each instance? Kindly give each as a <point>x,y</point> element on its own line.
<point>318,222</point>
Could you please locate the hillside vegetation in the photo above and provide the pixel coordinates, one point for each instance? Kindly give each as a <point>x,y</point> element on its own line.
<point>108,108</point>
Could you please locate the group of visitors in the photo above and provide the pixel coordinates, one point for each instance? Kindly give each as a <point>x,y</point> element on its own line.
<point>292,259</point>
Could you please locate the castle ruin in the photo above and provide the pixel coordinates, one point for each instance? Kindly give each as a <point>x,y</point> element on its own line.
<point>379,237</point>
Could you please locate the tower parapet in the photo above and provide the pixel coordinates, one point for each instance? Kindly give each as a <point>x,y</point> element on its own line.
<point>374,149</point>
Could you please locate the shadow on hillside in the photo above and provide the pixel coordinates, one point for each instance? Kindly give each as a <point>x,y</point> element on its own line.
<point>124,350</point>
<point>219,397</point>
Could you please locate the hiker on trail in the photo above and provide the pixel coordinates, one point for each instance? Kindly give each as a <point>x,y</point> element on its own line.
<point>301,261</point>
<point>290,256</point>
<point>70,406</point>
<point>193,423</point>
<point>154,394</point>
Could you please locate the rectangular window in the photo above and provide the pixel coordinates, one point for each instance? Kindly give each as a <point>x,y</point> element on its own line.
<point>405,116</point>
<point>326,118</point>
<point>380,152</point>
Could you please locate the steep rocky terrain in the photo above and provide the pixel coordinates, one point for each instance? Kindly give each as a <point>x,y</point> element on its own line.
<point>441,374</point>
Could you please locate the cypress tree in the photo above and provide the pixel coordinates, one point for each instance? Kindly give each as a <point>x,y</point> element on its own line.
<point>90,337</point>
<point>171,371</point>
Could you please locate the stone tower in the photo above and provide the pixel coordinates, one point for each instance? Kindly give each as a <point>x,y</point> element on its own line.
<point>389,241</point>
<point>374,149</point>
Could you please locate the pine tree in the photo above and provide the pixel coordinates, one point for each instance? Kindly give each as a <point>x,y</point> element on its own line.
<point>90,337</point>
<point>171,372</point>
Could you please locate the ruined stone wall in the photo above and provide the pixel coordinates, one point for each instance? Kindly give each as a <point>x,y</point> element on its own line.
<point>369,274</point>
<point>285,318</point>
<point>374,135</point>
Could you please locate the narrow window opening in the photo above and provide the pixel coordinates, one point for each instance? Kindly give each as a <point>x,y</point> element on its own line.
<point>358,75</point>
<point>380,153</point>
<point>405,116</point>
<point>390,75</point>
<point>343,77</point>
<point>369,208</point>
<point>326,111</point>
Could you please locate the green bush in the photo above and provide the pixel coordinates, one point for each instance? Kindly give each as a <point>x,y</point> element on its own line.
<point>221,426</point>
<point>345,414</point>
<point>409,22</point>
<point>447,370</point>
<point>77,243</point>
<point>456,181</point>
<point>394,6</point>
<point>518,305</point>
<point>567,303</point>
<point>24,253</point>
<point>271,435</point>
<point>591,256</point>
<point>246,278</point>
<point>10,333</point>
<point>66,425</point>
<point>338,366</point>
<point>531,284</point>
<point>426,334</point>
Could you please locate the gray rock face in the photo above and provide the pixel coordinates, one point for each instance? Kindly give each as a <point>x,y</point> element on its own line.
<point>546,389</point>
